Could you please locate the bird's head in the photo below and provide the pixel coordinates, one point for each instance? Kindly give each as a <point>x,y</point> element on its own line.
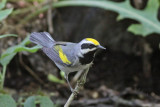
<point>90,45</point>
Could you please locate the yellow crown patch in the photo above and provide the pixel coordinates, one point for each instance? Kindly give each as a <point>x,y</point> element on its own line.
<point>93,40</point>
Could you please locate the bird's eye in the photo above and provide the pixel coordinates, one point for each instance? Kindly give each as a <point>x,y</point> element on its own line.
<point>91,46</point>
<point>86,46</point>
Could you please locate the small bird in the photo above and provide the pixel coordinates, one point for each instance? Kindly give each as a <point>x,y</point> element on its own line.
<point>67,56</point>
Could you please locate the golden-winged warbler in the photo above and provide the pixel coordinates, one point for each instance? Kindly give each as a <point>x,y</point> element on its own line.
<point>68,57</point>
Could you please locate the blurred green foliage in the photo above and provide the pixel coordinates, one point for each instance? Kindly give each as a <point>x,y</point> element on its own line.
<point>7,35</point>
<point>27,1</point>
<point>7,101</point>
<point>8,55</point>
<point>32,101</point>
<point>53,78</point>
<point>148,23</point>
<point>147,17</point>
<point>4,12</point>
<point>42,101</point>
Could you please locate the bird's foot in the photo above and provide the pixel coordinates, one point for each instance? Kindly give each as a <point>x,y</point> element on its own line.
<point>75,92</point>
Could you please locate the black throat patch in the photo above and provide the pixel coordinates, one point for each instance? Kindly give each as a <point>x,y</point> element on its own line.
<point>88,58</point>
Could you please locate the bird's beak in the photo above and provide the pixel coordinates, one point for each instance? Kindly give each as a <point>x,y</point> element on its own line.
<point>101,47</point>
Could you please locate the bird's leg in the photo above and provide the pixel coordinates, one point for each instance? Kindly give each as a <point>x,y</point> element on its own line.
<point>72,90</point>
<point>66,77</point>
<point>80,82</point>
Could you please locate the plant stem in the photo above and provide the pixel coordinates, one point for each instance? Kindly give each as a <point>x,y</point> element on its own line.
<point>3,77</point>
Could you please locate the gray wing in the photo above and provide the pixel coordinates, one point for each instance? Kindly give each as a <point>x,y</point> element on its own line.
<point>53,54</point>
<point>69,51</point>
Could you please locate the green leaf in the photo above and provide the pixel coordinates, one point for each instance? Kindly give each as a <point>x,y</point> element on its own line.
<point>43,101</point>
<point>25,41</point>
<point>5,60</point>
<point>7,101</point>
<point>8,55</point>
<point>30,102</point>
<point>4,13</point>
<point>138,29</point>
<point>62,74</point>
<point>7,35</point>
<point>147,17</point>
<point>55,79</point>
<point>2,4</point>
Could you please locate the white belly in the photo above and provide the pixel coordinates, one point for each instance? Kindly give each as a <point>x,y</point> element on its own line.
<point>73,68</point>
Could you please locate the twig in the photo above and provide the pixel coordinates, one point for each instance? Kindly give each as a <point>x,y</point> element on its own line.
<point>79,85</point>
<point>30,71</point>
<point>114,100</point>
<point>117,100</point>
<point>49,18</point>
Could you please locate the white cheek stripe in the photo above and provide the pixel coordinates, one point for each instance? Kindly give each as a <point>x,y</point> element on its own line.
<point>84,51</point>
<point>88,42</point>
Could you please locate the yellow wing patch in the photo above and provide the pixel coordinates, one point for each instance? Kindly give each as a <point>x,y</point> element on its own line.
<point>62,56</point>
<point>93,40</point>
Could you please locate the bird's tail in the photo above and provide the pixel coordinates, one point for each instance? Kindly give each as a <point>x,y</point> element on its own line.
<point>42,38</point>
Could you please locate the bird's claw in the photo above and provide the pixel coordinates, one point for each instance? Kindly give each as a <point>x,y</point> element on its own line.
<point>75,92</point>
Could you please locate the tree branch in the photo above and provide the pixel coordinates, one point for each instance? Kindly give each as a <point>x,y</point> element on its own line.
<point>79,85</point>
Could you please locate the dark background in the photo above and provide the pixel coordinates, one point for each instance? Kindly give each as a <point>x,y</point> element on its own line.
<point>130,66</point>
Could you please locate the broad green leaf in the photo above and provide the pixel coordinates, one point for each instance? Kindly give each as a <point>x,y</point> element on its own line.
<point>7,101</point>
<point>4,13</point>
<point>7,35</point>
<point>55,79</point>
<point>6,60</point>
<point>30,102</point>
<point>147,17</point>
<point>45,101</point>
<point>42,101</point>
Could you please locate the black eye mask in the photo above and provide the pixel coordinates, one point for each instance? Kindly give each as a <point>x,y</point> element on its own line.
<point>87,46</point>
